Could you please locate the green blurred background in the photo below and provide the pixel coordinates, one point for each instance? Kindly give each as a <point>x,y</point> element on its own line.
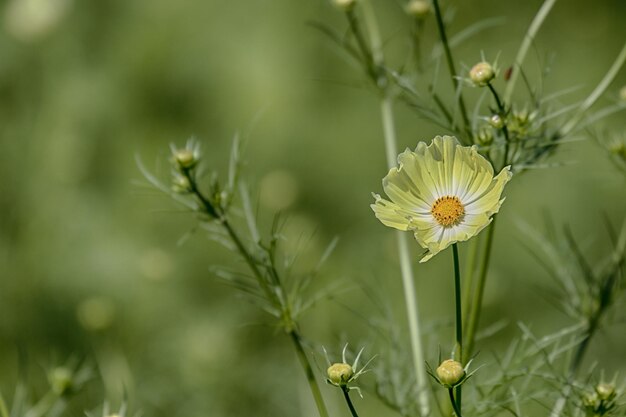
<point>90,260</point>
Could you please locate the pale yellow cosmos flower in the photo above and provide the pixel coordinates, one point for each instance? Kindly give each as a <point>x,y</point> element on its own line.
<point>443,193</point>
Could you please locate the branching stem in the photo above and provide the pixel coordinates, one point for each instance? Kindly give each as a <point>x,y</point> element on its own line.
<point>215,213</point>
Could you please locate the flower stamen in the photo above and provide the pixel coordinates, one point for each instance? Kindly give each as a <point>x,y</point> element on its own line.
<point>448,211</point>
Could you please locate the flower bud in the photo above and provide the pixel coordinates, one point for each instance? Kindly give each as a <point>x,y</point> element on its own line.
<point>591,401</point>
<point>419,9</point>
<point>606,392</point>
<point>181,184</point>
<point>60,380</point>
<point>484,136</point>
<point>482,73</point>
<point>185,158</point>
<point>340,373</point>
<point>618,148</point>
<point>496,121</point>
<point>450,372</point>
<point>345,5</point>
<point>622,93</point>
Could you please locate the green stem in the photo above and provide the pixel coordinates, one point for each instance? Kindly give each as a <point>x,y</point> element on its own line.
<point>403,248</point>
<point>457,411</point>
<point>310,376</point>
<point>505,129</point>
<point>407,271</point>
<point>451,66</point>
<point>479,292</point>
<point>468,278</point>
<point>459,314</point>
<point>346,395</point>
<point>368,60</point>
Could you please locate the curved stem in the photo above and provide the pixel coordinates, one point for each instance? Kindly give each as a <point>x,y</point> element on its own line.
<point>459,314</point>
<point>451,66</point>
<point>456,409</point>
<point>478,295</point>
<point>346,395</point>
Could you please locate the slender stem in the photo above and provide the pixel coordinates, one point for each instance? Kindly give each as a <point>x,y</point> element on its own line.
<point>310,376</point>
<point>360,40</point>
<point>505,129</point>
<point>468,277</point>
<point>526,43</point>
<point>459,314</point>
<point>451,66</point>
<point>457,411</point>
<point>479,292</point>
<point>417,44</point>
<point>403,248</point>
<point>346,395</point>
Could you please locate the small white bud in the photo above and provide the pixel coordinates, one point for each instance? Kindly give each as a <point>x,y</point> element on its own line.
<point>482,73</point>
<point>419,9</point>
<point>61,380</point>
<point>606,392</point>
<point>496,121</point>
<point>345,5</point>
<point>185,158</point>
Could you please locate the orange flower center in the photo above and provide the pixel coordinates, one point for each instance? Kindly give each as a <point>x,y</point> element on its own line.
<point>448,211</point>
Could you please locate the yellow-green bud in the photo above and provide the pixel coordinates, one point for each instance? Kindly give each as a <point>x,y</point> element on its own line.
<point>496,121</point>
<point>185,158</point>
<point>591,401</point>
<point>60,380</point>
<point>606,392</point>
<point>345,5</point>
<point>419,9</point>
<point>340,373</point>
<point>450,372</point>
<point>622,93</point>
<point>482,73</point>
<point>485,136</point>
<point>181,184</point>
<point>618,148</point>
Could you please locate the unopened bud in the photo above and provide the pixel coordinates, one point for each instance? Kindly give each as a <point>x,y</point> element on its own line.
<point>419,9</point>
<point>450,372</point>
<point>606,392</point>
<point>345,5</point>
<point>482,73</point>
<point>496,121</point>
<point>60,380</point>
<point>181,184</point>
<point>340,373</point>
<point>484,136</point>
<point>591,401</point>
<point>618,148</point>
<point>185,158</point>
